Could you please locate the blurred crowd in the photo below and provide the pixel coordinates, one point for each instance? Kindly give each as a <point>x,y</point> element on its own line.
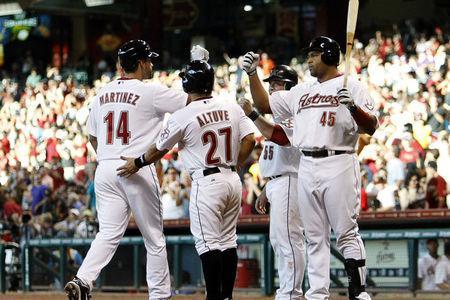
<point>47,166</point>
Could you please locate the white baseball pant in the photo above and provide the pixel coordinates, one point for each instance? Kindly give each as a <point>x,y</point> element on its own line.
<point>214,209</point>
<point>329,194</point>
<point>286,235</point>
<point>116,198</point>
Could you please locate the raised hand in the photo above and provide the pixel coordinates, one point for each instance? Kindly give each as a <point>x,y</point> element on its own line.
<point>246,105</point>
<point>251,61</point>
<point>345,98</point>
<point>199,53</point>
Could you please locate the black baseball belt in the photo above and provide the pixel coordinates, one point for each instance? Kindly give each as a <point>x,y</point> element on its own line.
<point>210,171</point>
<point>274,177</point>
<point>325,153</point>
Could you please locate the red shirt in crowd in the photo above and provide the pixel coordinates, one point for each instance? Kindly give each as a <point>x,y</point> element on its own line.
<point>409,156</point>
<point>51,150</point>
<point>6,146</point>
<point>436,188</point>
<point>11,207</point>
<point>364,202</point>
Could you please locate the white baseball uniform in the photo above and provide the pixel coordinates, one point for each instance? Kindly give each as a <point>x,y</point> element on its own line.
<point>329,187</point>
<point>280,165</point>
<point>208,133</point>
<point>126,118</point>
<point>426,271</point>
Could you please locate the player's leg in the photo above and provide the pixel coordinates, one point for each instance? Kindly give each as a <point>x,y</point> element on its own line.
<point>317,230</point>
<point>143,194</point>
<point>342,200</point>
<point>286,235</point>
<point>205,218</point>
<point>113,216</point>
<point>231,209</point>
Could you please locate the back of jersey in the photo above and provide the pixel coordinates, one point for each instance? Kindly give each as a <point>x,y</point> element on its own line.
<point>210,133</point>
<point>126,116</point>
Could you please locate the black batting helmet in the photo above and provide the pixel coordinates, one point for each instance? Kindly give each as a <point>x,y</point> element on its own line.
<point>198,77</point>
<point>132,51</point>
<point>329,49</point>
<point>285,74</point>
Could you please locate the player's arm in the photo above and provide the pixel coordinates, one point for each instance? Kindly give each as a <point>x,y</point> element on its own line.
<point>93,141</point>
<point>259,94</point>
<point>261,202</point>
<point>169,136</point>
<point>247,145</point>
<point>133,165</point>
<point>270,131</point>
<point>366,121</point>
<point>363,140</point>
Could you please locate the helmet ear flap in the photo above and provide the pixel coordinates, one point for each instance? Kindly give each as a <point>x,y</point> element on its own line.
<point>288,85</point>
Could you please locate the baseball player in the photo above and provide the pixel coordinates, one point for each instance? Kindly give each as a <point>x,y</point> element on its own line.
<point>125,118</point>
<point>280,166</point>
<point>214,137</point>
<point>327,120</point>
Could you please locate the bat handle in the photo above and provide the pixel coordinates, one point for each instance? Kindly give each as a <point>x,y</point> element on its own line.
<point>348,54</point>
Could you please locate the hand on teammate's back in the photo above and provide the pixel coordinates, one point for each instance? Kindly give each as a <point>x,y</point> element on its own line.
<point>128,169</point>
<point>199,53</point>
<point>251,61</point>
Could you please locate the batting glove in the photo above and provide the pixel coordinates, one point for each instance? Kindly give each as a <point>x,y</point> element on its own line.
<point>199,53</point>
<point>251,61</point>
<point>345,99</point>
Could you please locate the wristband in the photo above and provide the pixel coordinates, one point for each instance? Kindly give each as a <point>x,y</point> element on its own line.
<point>140,161</point>
<point>251,73</point>
<point>352,108</point>
<point>253,115</point>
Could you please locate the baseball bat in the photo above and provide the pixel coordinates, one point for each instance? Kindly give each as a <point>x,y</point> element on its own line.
<point>352,17</point>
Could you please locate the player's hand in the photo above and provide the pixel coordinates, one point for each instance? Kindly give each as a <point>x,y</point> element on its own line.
<point>251,61</point>
<point>246,106</point>
<point>199,53</point>
<point>260,204</point>
<point>345,98</point>
<point>128,169</point>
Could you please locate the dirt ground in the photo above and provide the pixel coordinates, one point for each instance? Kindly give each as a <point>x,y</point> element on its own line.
<point>130,296</point>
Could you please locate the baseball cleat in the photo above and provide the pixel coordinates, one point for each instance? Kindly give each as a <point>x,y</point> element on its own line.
<point>77,290</point>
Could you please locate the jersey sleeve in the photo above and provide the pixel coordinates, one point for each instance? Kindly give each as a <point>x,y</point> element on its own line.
<point>289,131</point>
<point>170,135</point>
<point>92,119</point>
<point>168,100</point>
<point>362,98</point>
<point>280,105</point>
<point>246,126</point>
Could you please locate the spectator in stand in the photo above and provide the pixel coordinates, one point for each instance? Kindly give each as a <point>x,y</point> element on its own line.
<point>11,206</point>
<point>436,191</point>
<point>172,202</point>
<point>250,192</point>
<point>412,194</point>
<point>442,276</point>
<point>67,227</point>
<point>186,185</point>
<point>386,196</point>
<point>427,267</point>
<point>87,228</point>
<point>39,192</point>
<point>172,175</point>
<point>395,169</point>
